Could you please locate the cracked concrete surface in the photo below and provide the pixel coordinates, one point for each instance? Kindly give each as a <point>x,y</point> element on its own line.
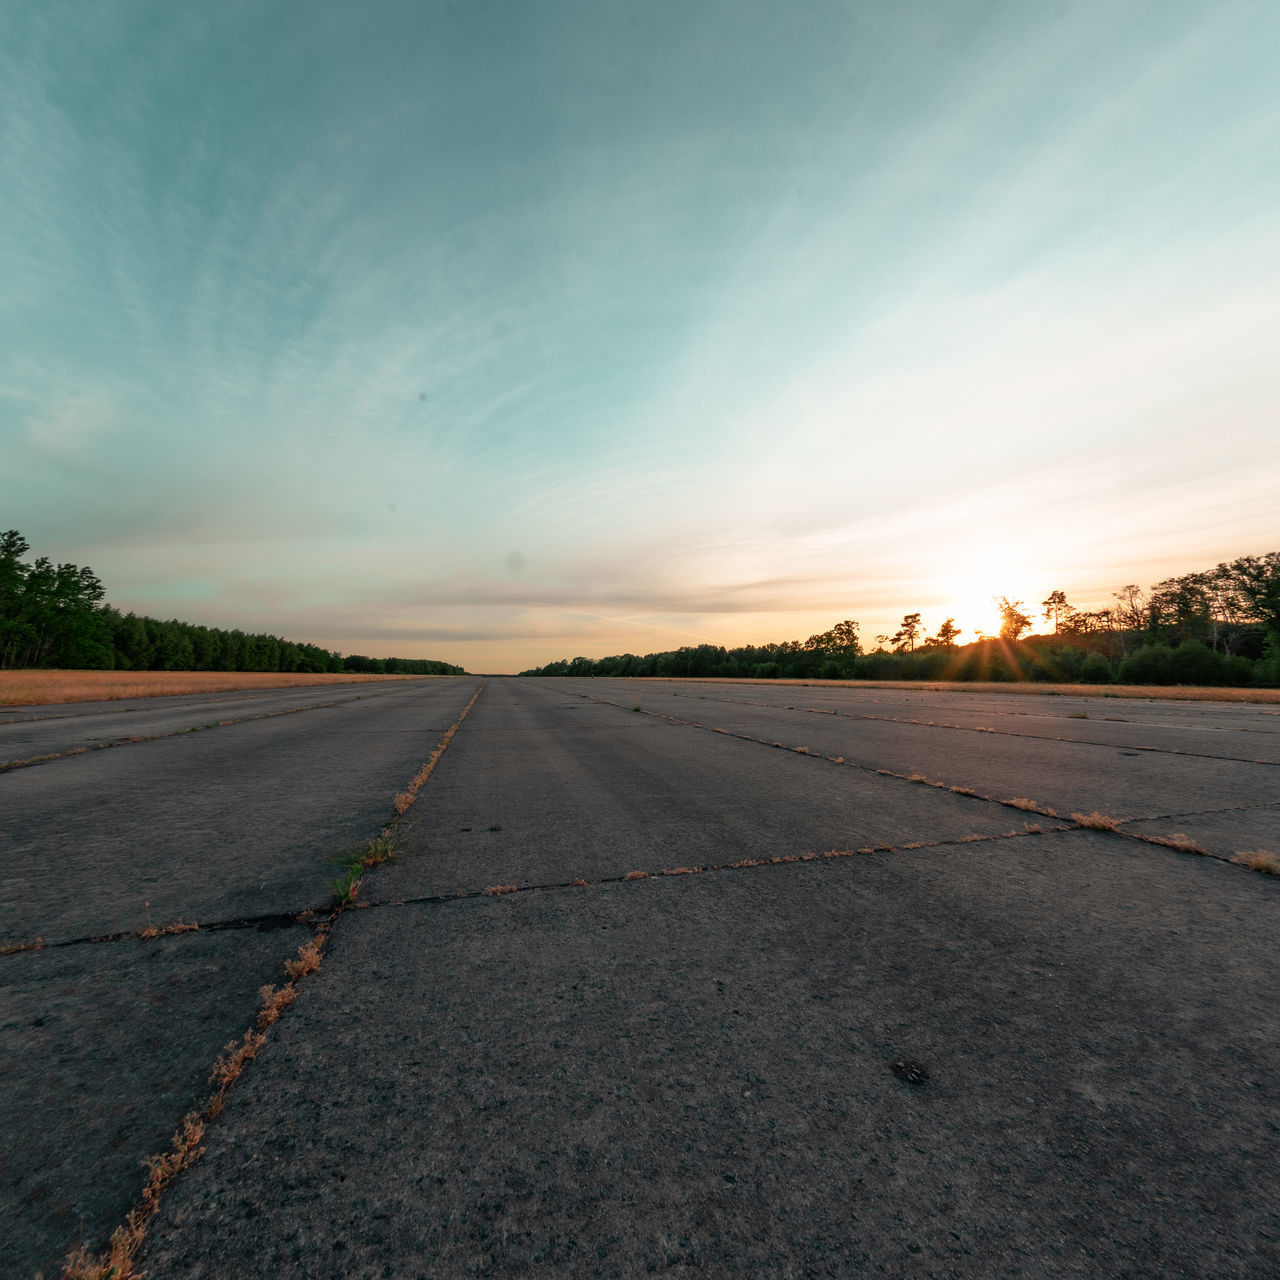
<point>681,1072</point>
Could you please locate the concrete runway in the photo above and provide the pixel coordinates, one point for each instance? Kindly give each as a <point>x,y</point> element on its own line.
<point>994,1043</point>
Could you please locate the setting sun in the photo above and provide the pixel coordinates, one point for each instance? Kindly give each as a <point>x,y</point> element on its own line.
<point>971,598</point>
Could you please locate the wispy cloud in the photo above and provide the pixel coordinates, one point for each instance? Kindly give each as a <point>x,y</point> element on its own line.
<point>719,321</point>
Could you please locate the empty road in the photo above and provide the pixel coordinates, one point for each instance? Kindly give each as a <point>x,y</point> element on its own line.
<point>666,978</point>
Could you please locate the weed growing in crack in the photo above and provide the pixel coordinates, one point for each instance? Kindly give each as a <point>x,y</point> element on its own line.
<point>347,885</point>
<point>308,959</point>
<point>275,1001</point>
<point>1029,806</point>
<point>1259,860</point>
<point>496,890</point>
<point>12,948</point>
<point>382,848</point>
<point>185,1148</point>
<point>116,1263</point>
<point>1096,821</point>
<point>1179,840</point>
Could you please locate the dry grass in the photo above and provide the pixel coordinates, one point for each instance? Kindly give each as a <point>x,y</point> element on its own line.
<point>1179,840</point>
<point>408,796</point>
<point>116,1263</point>
<point>275,1001</point>
<point>1172,693</point>
<point>1029,806</point>
<point>12,948</point>
<point>1096,821</point>
<point>636,875</point>
<point>308,960</point>
<point>495,890</point>
<point>164,931</point>
<point>185,1148</point>
<point>1259,860</point>
<point>19,688</point>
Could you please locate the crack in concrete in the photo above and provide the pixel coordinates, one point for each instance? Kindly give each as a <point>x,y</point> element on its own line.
<point>1194,813</point>
<point>116,1262</point>
<point>1177,841</point>
<point>965,728</point>
<point>6,765</point>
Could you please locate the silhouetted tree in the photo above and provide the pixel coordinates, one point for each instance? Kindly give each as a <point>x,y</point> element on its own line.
<point>1056,609</point>
<point>1013,622</point>
<point>906,635</point>
<point>947,635</point>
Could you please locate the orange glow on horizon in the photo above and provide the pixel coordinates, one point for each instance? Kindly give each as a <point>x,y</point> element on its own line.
<point>972,596</point>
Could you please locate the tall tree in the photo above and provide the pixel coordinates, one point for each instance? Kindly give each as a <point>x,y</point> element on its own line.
<point>907,634</point>
<point>1013,622</point>
<point>1257,580</point>
<point>842,639</point>
<point>947,635</point>
<point>1057,610</point>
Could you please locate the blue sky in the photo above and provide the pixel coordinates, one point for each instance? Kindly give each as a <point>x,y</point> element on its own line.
<point>506,332</point>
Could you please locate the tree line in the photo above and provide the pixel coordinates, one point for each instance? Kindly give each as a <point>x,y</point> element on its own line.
<point>53,615</point>
<point>1213,627</point>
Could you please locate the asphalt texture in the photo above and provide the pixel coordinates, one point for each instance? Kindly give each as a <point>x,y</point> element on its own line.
<point>915,1031</point>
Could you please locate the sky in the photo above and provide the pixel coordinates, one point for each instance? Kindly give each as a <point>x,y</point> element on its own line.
<point>506,332</point>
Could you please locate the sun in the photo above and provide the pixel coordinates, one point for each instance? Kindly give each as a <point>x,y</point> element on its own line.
<point>970,596</point>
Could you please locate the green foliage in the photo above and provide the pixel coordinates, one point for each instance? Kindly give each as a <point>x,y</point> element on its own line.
<point>52,616</point>
<point>1151,664</point>
<point>1095,669</point>
<point>1216,627</point>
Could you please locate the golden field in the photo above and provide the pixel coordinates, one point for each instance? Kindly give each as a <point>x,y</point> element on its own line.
<point>18,688</point>
<point>1174,692</point>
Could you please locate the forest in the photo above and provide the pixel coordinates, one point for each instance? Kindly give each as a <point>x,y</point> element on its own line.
<point>1212,627</point>
<point>53,615</point>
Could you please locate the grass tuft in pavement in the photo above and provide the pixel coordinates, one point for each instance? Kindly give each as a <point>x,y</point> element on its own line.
<point>1259,860</point>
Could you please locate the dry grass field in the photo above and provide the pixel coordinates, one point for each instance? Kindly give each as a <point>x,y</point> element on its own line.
<point>1184,693</point>
<point>20,688</point>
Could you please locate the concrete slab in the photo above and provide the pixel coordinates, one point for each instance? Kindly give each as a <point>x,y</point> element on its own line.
<point>1229,731</point>
<point>543,787</point>
<point>239,821</point>
<point>1048,1058</point>
<point>103,1049</point>
<point>1225,834</point>
<point>31,732</point>
<point>1067,776</point>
